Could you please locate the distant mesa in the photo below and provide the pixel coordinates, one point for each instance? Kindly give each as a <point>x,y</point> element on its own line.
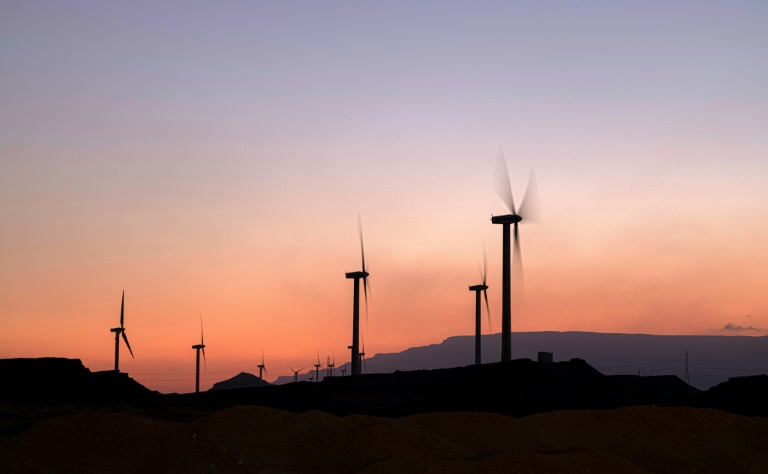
<point>241,380</point>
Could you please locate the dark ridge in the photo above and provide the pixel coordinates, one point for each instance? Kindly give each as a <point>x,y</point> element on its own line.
<point>241,380</point>
<point>35,389</point>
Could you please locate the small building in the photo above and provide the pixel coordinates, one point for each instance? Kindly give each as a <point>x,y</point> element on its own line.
<point>545,357</point>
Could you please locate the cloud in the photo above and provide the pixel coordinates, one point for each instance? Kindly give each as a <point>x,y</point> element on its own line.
<point>732,327</point>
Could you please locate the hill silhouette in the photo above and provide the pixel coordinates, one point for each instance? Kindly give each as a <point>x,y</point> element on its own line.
<point>713,359</point>
<point>241,380</point>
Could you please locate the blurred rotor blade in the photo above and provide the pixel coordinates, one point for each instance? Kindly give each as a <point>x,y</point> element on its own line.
<point>518,282</point>
<point>205,362</point>
<point>125,338</point>
<point>290,368</point>
<point>122,309</point>
<point>501,182</point>
<point>529,207</point>
<point>488,311</point>
<point>365,292</point>
<point>362,247</point>
<point>201,330</point>
<point>485,264</point>
<point>262,357</point>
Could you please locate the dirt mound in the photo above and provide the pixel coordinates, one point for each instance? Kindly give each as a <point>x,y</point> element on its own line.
<point>256,439</point>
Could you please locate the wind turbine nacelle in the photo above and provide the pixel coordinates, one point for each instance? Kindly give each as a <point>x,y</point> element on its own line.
<point>356,274</point>
<point>478,287</point>
<point>506,219</point>
<point>117,330</point>
<point>198,346</point>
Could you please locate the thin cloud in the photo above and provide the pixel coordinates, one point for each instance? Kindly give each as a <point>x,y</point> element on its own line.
<point>734,328</point>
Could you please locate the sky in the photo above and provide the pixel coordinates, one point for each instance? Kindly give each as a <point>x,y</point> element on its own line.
<point>213,158</point>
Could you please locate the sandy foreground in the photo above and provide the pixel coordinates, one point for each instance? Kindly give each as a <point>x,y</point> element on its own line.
<point>257,439</point>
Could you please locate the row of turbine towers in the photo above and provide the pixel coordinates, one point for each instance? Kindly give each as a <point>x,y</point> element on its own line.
<point>509,222</point>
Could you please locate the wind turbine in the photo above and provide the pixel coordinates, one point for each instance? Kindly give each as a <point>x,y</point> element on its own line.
<point>478,309</point>
<point>330,364</point>
<point>198,348</point>
<point>317,368</point>
<point>120,331</point>
<point>362,357</point>
<point>262,367</point>
<point>526,211</point>
<point>296,373</point>
<point>355,347</point>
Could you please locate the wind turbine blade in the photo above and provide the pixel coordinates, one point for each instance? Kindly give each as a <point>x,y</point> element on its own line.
<point>518,282</point>
<point>485,264</point>
<point>365,294</point>
<point>122,309</point>
<point>529,207</point>
<point>125,338</point>
<point>205,363</point>
<point>488,311</point>
<point>201,330</point>
<point>362,247</point>
<point>501,182</point>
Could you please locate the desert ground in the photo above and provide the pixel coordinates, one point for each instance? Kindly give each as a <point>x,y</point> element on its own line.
<point>259,439</point>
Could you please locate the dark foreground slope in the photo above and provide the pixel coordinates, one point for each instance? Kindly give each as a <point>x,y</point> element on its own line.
<point>34,389</point>
<point>56,416</point>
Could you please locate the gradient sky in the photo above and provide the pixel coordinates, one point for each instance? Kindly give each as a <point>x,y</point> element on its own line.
<point>213,158</point>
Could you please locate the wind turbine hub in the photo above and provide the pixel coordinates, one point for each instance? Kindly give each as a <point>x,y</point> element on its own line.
<point>506,219</point>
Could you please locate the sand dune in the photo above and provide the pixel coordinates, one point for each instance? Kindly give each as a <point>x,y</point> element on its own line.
<point>256,439</point>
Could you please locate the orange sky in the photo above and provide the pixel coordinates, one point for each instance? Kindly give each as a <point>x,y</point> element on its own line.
<point>228,181</point>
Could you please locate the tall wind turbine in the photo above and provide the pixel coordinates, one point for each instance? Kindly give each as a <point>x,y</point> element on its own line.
<point>330,364</point>
<point>317,368</point>
<point>198,348</point>
<point>355,347</point>
<point>526,211</point>
<point>262,367</point>
<point>120,331</point>
<point>478,309</point>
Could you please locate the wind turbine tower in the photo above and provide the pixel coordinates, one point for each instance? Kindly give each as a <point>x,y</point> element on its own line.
<point>526,210</point>
<point>478,311</point>
<point>355,347</point>
<point>330,364</point>
<point>317,368</point>
<point>198,348</point>
<point>118,332</point>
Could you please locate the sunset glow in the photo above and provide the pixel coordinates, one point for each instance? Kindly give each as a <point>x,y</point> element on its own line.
<point>213,159</point>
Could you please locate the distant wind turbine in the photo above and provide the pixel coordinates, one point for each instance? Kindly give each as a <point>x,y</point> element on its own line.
<point>355,347</point>
<point>478,309</point>
<point>296,373</point>
<point>118,332</point>
<point>527,210</point>
<point>330,364</point>
<point>262,367</point>
<point>317,368</point>
<point>198,348</point>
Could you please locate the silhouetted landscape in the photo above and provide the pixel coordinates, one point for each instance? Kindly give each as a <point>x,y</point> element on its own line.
<point>541,416</point>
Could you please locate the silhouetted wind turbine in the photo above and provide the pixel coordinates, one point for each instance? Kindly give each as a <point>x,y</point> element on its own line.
<point>478,309</point>
<point>330,364</point>
<point>355,347</point>
<point>526,211</point>
<point>362,357</point>
<point>118,332</point>
<point>317,368</point>
<point>296,373</point>
<point>262,367</point>
<point>198,348</point>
